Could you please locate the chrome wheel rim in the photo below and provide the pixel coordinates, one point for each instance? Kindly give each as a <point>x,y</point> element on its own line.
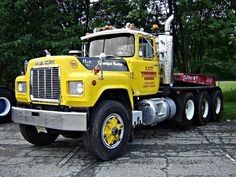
<point>112,131</point>
<point>189,109</point>
<point>217,105</point>
<point>205,108</point>
<point>5,106</point>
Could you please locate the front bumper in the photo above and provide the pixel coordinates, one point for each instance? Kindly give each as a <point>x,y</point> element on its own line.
<point>68,121</point>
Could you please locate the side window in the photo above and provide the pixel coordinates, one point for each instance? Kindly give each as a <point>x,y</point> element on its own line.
<point>145,48</point>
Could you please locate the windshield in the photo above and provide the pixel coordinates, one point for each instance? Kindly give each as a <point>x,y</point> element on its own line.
<point>121,45</point>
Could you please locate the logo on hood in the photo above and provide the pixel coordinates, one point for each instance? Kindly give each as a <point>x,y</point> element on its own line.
<point>46,62</point>
<point>73,64</point>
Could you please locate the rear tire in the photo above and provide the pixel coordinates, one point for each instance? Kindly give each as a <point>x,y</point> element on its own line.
<point>109,131</point>
<point>217,105</point>
<point>7,100</point>
<point>203,108</point>
<point>185,105</point>
<point>31,134</point>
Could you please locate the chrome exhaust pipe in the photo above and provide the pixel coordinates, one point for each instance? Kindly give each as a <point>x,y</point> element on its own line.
<point>166,56</point>
<point>167,24</point>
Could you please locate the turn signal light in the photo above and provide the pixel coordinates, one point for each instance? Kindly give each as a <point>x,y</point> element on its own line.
<point>94,82</point>
<point>155,26</point>
<point>96,70</point>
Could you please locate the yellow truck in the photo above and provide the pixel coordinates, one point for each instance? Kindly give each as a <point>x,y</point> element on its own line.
<point>118,83</point>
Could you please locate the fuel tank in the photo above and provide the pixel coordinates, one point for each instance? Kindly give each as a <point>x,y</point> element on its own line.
<point>157,110</point>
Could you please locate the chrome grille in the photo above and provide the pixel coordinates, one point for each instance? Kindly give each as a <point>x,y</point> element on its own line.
<point>45,84</point>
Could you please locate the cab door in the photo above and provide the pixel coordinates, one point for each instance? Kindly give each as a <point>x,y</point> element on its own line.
<point>149,78</point>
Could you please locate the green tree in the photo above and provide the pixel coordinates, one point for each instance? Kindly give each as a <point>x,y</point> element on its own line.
<point>109,12</point>
<point>27,28</point>
<point>204,33</point>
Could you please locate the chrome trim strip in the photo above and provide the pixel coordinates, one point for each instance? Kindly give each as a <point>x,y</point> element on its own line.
<point>43,100</point>
<point>51,83</point>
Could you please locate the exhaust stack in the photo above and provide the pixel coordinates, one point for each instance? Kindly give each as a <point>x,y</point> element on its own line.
<point>167,24</point>
<point>165,51</point>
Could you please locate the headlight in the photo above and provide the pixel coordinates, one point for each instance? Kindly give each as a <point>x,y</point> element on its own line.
<point>22,87</point>
<point>76,88</point>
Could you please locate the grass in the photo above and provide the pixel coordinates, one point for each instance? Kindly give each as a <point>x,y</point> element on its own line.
<point>229,112</point>
<point>228,89</point>
<point>229,92</point>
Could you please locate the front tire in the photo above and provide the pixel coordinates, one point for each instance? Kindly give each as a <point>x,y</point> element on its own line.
<point>34,136</point>
<point>109,130</point>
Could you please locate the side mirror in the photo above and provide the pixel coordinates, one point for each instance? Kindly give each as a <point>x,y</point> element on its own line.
<point>84,49</point>
<point>140,53</point>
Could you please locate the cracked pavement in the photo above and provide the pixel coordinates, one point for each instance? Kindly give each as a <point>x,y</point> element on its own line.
<point>162,150</point>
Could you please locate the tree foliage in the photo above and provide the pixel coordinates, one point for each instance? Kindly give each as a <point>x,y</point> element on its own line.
<point>204,31</point>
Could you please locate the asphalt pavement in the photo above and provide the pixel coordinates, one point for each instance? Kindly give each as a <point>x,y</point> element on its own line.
<point>162,150</point>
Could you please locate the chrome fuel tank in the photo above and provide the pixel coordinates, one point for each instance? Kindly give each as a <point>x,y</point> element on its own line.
<point>157,110</point>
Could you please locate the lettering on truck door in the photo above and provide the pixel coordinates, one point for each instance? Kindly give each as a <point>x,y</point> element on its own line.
<point>148,66</point>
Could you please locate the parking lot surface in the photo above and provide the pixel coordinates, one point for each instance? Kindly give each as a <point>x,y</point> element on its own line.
<point>156,151</point>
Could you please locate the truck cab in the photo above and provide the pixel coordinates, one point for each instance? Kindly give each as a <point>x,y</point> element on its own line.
<point>137,49</point>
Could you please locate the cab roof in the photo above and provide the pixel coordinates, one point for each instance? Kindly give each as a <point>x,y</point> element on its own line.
<point>115,31</point>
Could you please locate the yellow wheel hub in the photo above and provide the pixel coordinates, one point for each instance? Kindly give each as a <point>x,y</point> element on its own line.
<point>113,130</point>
